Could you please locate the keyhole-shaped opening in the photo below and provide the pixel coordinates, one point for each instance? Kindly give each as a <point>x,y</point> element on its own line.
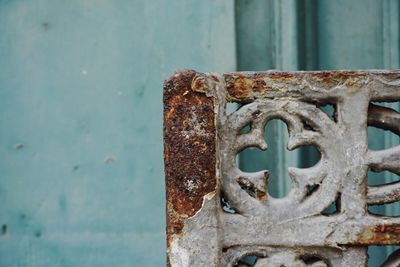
<point>277,158</point>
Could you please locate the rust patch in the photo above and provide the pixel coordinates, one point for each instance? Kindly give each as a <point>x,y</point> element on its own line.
<point>238,85</point>
<point>350,79</point>
<point>259,85</point>
<point>189,148</point>
<point>281,76</point>
<point>262,196</point>
<point>247,86</point>
<point>384,234</point>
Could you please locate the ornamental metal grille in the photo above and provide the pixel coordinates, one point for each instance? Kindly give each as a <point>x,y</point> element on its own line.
<point>217,214</point>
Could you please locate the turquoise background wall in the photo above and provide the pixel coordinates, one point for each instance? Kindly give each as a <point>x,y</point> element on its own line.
<point>81,171</point>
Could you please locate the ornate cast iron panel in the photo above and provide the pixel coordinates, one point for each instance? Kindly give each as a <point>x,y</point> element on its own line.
<point>217,214</point>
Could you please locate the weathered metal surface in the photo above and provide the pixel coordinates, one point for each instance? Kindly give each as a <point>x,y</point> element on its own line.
<point>201,146</point>
<point>190,159</point>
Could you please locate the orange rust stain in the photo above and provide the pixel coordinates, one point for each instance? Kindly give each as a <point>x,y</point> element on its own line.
<point>384,234</point>
<point>238,86</point>
<point>243,87</point>
<point>349,78</point>
<point>259,85</point>
<point>189,155</point>
<point>281,76</point>
<point>262,196</point>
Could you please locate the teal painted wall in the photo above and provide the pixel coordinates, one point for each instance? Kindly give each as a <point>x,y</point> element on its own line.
<point>81,171</point>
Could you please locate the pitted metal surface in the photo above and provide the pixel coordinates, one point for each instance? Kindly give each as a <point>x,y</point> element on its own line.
<point>202,142</point>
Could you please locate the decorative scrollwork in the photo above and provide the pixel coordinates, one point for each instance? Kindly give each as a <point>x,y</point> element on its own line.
<point>297,115</point>
<point>229,214</point>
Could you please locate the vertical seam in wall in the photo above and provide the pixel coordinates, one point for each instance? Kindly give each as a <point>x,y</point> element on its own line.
<point>299,33</point>
<point>316,29</point>
<point>235,31</point>
<point>274,34</point>
<point>308,35</point>
<point>383,36</point>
